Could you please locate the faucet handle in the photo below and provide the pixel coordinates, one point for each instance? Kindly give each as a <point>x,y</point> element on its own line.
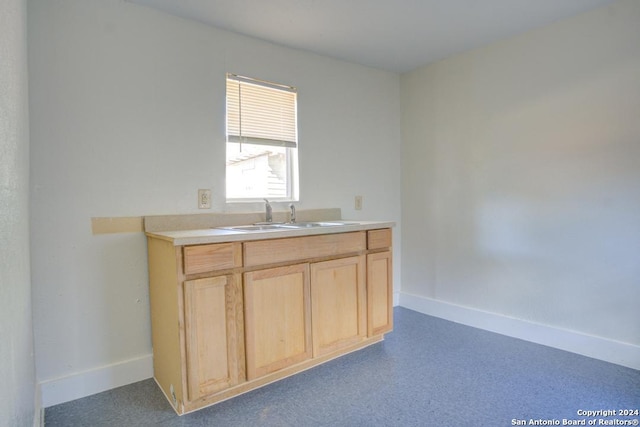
<point>293,213</point>
<point>268,210</point>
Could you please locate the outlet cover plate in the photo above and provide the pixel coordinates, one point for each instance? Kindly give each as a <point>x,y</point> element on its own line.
<point>358,203</point>
<point>204,199</point>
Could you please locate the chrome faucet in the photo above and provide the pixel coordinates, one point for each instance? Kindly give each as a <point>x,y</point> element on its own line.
<point>293,213</point>
<point>269,215</point>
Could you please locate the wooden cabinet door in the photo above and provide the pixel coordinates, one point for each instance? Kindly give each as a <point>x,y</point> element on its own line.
<point>379,293</point>
<point>213,334</point>
<point>338,303</point>
<point>277,318</point>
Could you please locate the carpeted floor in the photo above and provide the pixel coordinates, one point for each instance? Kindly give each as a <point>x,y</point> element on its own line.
<point>428,372</point>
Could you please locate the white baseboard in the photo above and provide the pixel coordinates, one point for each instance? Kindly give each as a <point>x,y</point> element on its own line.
<point>604,349</point>
<point>38,419</point>
<point>38,416</point>
<point>82,384</point>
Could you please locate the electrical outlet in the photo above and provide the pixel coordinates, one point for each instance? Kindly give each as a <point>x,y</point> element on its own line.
<point>204,199</point>
<point>358,203</point>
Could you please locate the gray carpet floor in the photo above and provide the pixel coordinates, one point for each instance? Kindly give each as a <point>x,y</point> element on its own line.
<point>427,372</point>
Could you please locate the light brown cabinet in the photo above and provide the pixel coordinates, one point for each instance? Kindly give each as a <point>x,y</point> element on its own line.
<point>338,311</point>
<point>379,293</point>
<point>277,318</point>
<point>213,333</point>
<point>229,317</point>
<point>379,282</point>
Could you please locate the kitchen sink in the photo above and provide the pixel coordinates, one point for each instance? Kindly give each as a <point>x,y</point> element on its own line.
<point>290,225</point>
<point>261,227</point>
<point>313,224</point>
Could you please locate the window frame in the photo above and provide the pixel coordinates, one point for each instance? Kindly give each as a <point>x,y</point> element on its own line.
<point>289,146</point>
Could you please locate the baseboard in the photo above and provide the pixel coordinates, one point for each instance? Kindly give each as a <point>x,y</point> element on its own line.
<point>604,349</point>
<point>82,384</point>
<point>38,412</point>
<point>38,419</point>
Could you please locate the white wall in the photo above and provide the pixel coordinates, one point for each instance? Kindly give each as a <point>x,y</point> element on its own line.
<point>521,183</point>
<point>18,400</point>
<point>127,119</point>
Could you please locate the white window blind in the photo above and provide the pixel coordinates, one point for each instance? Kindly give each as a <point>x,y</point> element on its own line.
<point>260,113</point>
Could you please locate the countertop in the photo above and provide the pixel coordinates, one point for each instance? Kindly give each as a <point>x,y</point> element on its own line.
<point>218,235</point>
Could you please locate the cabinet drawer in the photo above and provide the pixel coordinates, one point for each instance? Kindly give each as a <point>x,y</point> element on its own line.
<point>299,248</point>
<point>377,239</point>
<point>219,256</point>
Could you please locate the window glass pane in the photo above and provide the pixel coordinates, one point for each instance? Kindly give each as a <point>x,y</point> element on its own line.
<point>261,140</point>
<point>258,171</point>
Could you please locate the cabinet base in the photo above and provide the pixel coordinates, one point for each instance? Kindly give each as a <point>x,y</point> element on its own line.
<point>182,408</point>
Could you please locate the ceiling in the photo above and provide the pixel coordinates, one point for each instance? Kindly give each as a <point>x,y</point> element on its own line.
<point>394,35</point>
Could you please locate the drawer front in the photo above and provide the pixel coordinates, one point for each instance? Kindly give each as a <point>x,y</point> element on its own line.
<point>378,239</point>
<point>219,256</point>
<point>299,248</point>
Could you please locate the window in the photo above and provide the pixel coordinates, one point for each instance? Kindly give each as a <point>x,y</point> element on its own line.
<point>262,140</point>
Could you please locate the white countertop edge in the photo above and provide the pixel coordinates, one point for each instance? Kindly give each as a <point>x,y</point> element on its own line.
<point>217,235</point>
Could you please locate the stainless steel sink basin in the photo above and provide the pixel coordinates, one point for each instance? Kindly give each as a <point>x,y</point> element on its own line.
<point>294,225</point>
<point>253,227</point>
<point>313,224</point>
